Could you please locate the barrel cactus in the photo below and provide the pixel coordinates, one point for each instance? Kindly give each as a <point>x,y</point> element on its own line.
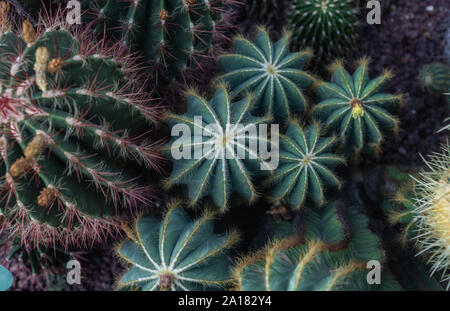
<point>356,108</point>
<point>176,253</point>
<point>174,35</point>
<point>326,257</point>
<point>71,109</point>
<point>435,78</point>
<point>269,71</point>
<point>306,166</point>
<point>328,26</point>
<point>219,151</point>
<point>432,213</point>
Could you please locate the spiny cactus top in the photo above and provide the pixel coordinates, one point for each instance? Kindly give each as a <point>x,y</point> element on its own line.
<point>219,142</point>
<point>435,78</point>
<point>306,164</point>
<point>173,34</point>
<point>355,108</point>
<point>328,26</point>
<point>269,71</point>
<point>432,213</point>
<point>176,254</point>
<point>331,259</point>
<point>70,109</point>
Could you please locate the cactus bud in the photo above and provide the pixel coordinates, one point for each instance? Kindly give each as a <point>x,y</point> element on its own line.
<point>29,35</point>
<point>55,65</point>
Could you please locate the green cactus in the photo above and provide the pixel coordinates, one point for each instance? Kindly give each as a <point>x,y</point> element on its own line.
<point>435,78</point>
<point>269,71</point>
<point>356,109</point>
<point>306,166</point>
<point>326,257</point>
<point>219,155</point>
<point>328,26</point>
<point>174,35</point>
<point>70,108</point>
<point>176,253</point>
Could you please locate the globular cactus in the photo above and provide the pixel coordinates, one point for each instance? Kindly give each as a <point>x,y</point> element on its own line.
<point>328,26</point>
<point>356,108</point>
<point>325,257</point>
<point>176,253</point>
<point>71,109</point>
<point>432,213</point>
<point>174,35</point>
<point>435,78</point>
<point>219,151</point>
<point>269,71</point>
<point>306,166</point>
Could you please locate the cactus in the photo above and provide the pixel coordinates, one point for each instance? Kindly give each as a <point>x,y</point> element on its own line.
<point>176,253</point>
<point>271,72</point>
<point>328,26</point>
<point>70,109</point>
<point>356,109</point>
<point>219,155</point>
<point>325,257</point>
<point>435,78</point>
<point>306,166</point>
<point>432,213</point>
<point>174,35</point>
<point>6,279</point>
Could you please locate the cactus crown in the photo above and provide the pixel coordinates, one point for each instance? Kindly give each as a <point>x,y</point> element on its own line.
<point>68,107</point>
<point>435,78</point>
<point>220,154</point>
<point>355,108</point>
<point>328,26</point>
<point>269,71</point>
<point>176,253</point>
<point>306,164</point>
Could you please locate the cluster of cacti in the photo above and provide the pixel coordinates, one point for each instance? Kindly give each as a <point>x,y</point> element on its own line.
<point>325,257</point>
<point>176,253</point>
<point>77,138</point>
<point>306,164</point>
<point>70,107</point>
<point>172,35</point>
<point>327,26</point>
<point>435,78</point>
<point>270,72</point>
<point>355,108</point>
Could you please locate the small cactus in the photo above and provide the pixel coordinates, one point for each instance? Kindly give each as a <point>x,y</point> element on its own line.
<point>269,71</point>
<point>70,106</point>
<point>325,257</point>
<point>306,166</point>
<point>328,26</point>
<point>435,78</point>
<point>176,253</point>
<point>220,160</point>
<point>174,35</point>
<point>357,109</point>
